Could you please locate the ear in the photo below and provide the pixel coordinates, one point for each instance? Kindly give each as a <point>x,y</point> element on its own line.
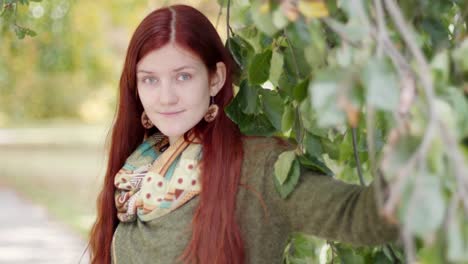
<point>218,78</point>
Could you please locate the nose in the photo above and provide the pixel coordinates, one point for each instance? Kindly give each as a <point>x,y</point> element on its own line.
<point>167,94</point>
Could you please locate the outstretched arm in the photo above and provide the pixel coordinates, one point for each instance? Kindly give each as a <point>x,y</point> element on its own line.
<point>331,209</point>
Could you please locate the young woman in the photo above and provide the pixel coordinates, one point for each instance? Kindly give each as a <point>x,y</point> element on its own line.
<point>183,184</point>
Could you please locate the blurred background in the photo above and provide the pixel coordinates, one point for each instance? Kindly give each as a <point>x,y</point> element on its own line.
<point>57,101</point>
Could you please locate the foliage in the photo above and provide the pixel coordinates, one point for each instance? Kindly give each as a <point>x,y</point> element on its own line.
<point>52,74</point>
<point>367,88</point>
<point>371,90</point>
<point>70,69</point>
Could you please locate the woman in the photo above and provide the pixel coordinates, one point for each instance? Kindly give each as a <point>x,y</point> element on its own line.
<point>183,184</point>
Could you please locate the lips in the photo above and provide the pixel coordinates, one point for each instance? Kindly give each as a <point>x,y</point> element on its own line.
<point>171,113</point>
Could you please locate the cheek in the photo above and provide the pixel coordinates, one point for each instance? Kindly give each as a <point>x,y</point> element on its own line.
<point>201,102</point>
<point>199,96</point>
<point>145,98</point>
<point>143,102</point>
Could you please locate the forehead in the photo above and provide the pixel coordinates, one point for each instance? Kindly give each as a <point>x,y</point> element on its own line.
<point>168,58</point>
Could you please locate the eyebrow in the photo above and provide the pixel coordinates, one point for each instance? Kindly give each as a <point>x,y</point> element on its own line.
<point>175,70</point>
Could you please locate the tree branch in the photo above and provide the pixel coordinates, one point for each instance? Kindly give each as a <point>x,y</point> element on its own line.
<point>458,163</point>
<point>228,14</point>
<point>335,26</point>
<point>296,67</point>
<point>220,12</point>
<point>356,157</point>
<point>424,73</point>
<point>380,26</point>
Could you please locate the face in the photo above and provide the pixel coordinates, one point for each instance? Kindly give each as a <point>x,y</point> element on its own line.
<point>174,87</point>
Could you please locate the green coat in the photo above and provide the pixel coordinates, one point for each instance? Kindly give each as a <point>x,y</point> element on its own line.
<point>320,206</point>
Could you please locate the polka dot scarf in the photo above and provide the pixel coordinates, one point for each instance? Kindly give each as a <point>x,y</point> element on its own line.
<point>157,178</point>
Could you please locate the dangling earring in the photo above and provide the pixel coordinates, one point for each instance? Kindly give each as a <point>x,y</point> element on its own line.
<point>145,121</point>
<point>212,111</point>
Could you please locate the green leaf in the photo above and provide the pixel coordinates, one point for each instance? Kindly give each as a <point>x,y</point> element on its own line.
<point>259,67</point>
<point>399,156</point>
<point>315,54</point>
<point>446,114</point>
<point>222,3</point>
<point>304,246</point>
<point>287,84</point>
<point>432,253</point>
<point>435,157</point>
<point>297,127</point>
<point>252,36</point>
<point>382,86</point>
<point>300,91</point>
<point>262,17</point>
<point>313,145</point>
<point>288,186</point>
<point>332,147</point>
<point>324,93</point>
<point>30,33</point>
<point>233,110</point>
<point>248,97</point>
<point>287,119</point>
<point>381,258</point>
<point>248,33</point>
<point>298,34</point>
<point>272,107</point>
<point>440,65</point>
<point>241,50</point>
<point>346,148</point>
<point>309,119</point>
<point>438,32</point>
<point>347,255</point>
<point>283,165</point>
<point>276,67</point>
<point>460,55</point>
<point>264,40</point>
<point>457,250</point>
<point>314,164</point>
<point>20,32</point>
<point>279,19</point>
<point>313,9</point>
<point>295,60</point>
<point>256,125</point>
<point>354,30</point>
<point>456,99</point>
<point>239,13</point>
<point>426,207</point>
<point>343,56</point>
<point>249,124</point>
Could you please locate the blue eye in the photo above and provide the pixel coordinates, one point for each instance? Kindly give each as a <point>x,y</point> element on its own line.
<point>149,80</point>
<point>184,77</point>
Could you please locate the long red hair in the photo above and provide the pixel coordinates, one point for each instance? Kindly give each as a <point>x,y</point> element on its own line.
<point>216,236</point>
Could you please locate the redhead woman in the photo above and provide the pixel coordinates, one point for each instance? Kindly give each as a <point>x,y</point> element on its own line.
<point>184,185</point>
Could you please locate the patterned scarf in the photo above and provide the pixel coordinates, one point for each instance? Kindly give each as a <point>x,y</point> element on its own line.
<point>157,178</point>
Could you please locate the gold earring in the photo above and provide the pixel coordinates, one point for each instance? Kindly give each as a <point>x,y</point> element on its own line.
<point>145,121</point>
<point>212,111</point>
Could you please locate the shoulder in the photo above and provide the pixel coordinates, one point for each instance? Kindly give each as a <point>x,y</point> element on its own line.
<point>260,153</point>
<point>264,146</point>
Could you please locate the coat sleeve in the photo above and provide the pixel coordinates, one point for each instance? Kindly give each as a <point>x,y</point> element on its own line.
<point>334,210</point>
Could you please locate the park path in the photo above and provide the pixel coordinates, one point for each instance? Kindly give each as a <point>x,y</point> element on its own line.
<point>29,235</point>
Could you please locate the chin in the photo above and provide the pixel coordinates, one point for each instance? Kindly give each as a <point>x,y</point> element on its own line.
<point>177,127</point>
<point>171,132</point>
